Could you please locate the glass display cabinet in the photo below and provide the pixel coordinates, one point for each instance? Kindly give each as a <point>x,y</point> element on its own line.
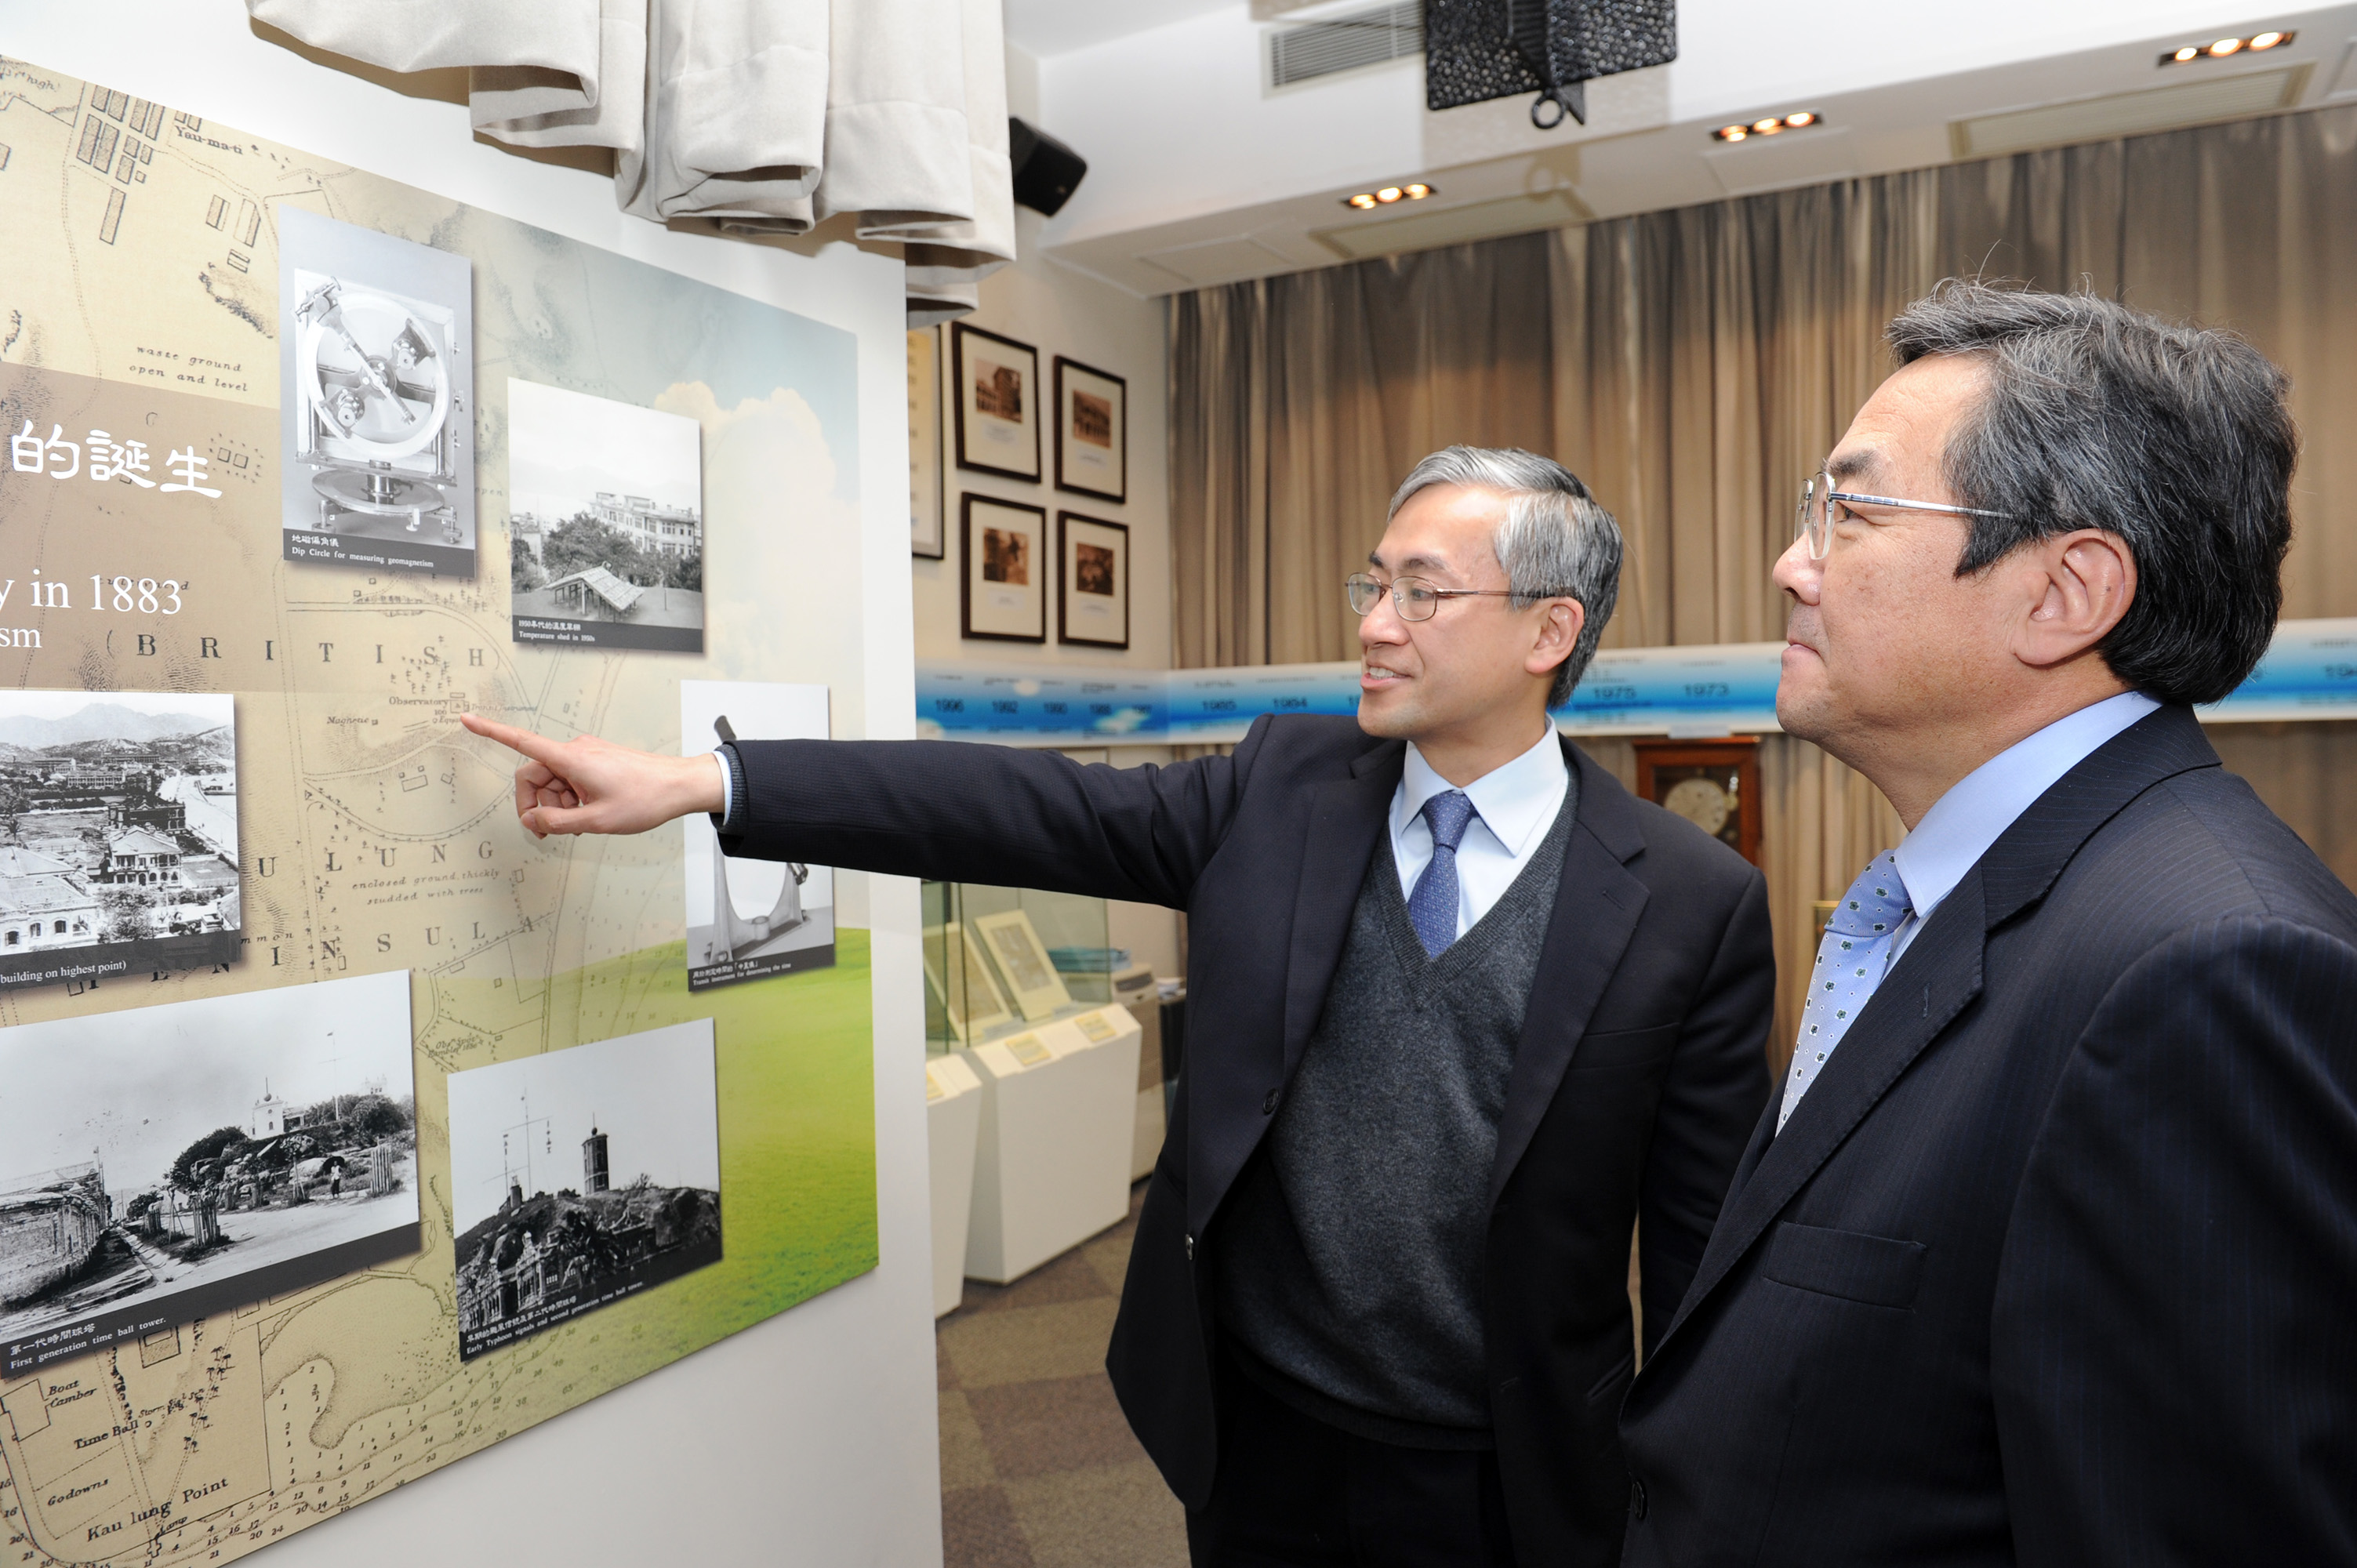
<point>1000,960</point>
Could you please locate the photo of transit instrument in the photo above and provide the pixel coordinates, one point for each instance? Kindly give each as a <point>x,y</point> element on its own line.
<point>375,374</point>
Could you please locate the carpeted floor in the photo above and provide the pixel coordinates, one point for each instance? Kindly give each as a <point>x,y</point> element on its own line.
<point>1039,1470</point>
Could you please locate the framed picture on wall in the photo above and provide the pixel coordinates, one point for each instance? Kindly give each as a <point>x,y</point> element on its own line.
<point>1094,606</point>
<point>928,529</point>
<point>997,403</point>
<point>1004,545</point>
<point>1092,431</point>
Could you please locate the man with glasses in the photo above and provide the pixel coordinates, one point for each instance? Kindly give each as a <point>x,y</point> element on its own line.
<point>1461,1014</point>
<point>2046,1253</point>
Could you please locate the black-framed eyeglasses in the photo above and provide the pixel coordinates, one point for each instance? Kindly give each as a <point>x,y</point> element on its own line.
<point>1413,598</point>
<point>1822,506</point>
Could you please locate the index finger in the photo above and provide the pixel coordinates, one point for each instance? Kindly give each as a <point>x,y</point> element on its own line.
<point>540,748</point>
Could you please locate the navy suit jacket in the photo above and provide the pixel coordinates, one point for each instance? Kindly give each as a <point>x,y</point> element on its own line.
<point>1639,1074</point>
<point>2056,1263</point>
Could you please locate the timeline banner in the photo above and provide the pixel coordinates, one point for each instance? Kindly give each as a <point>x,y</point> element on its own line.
<point>2310,672</point>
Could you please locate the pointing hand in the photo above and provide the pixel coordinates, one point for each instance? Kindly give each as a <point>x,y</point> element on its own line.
<point>592,786</point>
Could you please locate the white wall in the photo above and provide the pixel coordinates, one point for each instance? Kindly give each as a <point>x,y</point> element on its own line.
<point>1059,309</point>
<point>811,1437</point>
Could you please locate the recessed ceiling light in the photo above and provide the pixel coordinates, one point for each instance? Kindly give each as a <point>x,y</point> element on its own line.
<point>1385,195</point>
<point>1799,120</point>
<point>2221,48</point>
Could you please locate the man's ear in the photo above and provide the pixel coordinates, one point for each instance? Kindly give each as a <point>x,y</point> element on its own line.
<point>2083,583</point>
<point>1558,634</point>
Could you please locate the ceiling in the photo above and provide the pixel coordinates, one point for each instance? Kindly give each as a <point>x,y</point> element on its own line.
<point>1042,29</point>
<point>1200,172</point>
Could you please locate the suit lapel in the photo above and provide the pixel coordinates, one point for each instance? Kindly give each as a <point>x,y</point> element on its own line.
<point>1937,977</point>
<point>1346,818</point>
<point>1934,979</point>
<point>1597,904</point>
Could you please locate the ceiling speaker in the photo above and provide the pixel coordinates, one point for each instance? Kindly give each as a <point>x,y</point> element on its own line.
<point>1046,172</point>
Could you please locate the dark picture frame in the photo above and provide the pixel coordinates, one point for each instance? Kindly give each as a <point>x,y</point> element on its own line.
<point>1093,581</point>
<point>1002,570</point>
<point>1004,423</point>
<point>1092,431</point>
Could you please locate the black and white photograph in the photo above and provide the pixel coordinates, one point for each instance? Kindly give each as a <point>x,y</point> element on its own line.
<point>1092,431</point>
<point>118,834</point>
<point>177,1161</point>
<point>376,359</point>
<point>748,919</point>
<point>1003,574</point>
<point>579,1178</point>
<point>1095,606</point>
<point>605,521</point>
<point>997,404</point>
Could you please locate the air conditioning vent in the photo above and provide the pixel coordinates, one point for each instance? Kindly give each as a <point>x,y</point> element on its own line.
<point>1349,42</point>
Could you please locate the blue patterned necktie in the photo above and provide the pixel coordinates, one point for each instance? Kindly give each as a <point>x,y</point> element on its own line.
<point>1850,963</point>
<point>1432,908</point>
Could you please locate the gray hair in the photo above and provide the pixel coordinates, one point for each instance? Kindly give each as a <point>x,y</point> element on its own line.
<point>1554,541</point>
<point>2177,439</point>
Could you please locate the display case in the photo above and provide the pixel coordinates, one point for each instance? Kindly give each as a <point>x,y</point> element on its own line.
<point>1019,987</point>
<point>1000,960</point>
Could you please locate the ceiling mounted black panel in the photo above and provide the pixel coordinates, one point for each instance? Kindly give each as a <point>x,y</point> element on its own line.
<point>1475,50</point>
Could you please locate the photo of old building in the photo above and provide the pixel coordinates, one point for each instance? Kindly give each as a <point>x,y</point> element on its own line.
<point>200,1154</point>
<point>118,826</point>
<point>549,1225</point>
<point>605,523</point>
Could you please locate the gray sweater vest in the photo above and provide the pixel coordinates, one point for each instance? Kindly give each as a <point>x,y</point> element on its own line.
<point>1349,1257</point>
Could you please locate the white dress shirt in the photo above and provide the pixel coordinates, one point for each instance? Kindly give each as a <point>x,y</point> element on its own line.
<point>1974,814</point>
<point>1513,804</point>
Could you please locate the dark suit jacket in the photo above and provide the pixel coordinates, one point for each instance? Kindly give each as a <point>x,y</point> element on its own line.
<point>1639,1071</point>
<point>2056,1263</point>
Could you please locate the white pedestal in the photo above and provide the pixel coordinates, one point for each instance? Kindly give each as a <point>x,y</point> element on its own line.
<point>1059,1123</point>
<point>953,1123</point>
<point>1147,1134</point>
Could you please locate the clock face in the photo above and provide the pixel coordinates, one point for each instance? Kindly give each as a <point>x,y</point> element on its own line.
<point>1702,802</point>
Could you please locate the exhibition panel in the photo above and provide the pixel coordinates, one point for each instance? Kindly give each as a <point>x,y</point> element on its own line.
<point>348,1130</point>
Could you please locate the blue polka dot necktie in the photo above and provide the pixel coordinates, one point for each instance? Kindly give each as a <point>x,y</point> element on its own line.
<point>1432,908</point>
<point>1851,961</point>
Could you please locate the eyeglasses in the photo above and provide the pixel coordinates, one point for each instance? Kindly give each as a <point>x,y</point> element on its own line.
<point>1414,598</point>
<point>1821,508</point>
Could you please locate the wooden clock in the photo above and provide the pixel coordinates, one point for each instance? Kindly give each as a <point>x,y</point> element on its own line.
<point>1713,784</point>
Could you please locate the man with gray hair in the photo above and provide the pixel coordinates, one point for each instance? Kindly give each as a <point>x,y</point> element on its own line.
<point>1462,1013</point>
<point>2046,1253</point>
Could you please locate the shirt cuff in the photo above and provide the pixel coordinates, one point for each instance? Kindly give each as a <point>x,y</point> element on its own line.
<point>729,820</point>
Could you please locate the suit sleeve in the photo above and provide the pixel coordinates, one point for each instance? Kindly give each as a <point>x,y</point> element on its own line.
<point>2173,1351</point>
<point>1717,1087</point>
<point>955,810</point>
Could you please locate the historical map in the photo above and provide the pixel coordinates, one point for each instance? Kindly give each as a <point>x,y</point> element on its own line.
<point>139,551</point>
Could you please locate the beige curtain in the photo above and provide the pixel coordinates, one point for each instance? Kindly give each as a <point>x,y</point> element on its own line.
<point>1694,365</point>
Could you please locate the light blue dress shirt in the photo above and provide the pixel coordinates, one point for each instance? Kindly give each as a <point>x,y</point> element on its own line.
<point>1514,804</point>
<point>1974,814</point>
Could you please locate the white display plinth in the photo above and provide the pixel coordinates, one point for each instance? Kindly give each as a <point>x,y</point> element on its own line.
<point>1058,1123</point>
<point>1147,1133</point>
<point>953,1123</point>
